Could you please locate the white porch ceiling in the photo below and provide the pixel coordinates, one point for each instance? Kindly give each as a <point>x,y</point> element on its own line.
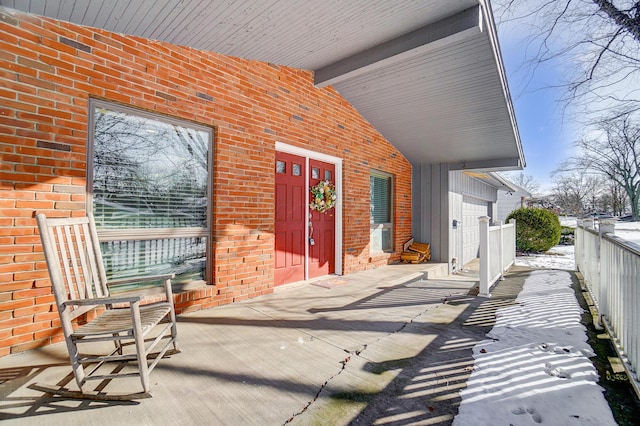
<point>426,73</point>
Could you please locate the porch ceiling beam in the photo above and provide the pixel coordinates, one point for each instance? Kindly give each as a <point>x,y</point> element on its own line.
<point>417,42</point>
<point>493,165</point>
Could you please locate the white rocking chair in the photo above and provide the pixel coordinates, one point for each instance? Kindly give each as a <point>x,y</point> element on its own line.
<point>74,260</point>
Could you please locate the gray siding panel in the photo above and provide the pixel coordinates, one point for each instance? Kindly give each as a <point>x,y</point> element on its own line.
<point>430,201</point>
<point>469,186</point>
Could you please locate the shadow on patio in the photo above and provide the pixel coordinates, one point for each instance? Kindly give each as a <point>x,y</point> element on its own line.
<point>364,352</point>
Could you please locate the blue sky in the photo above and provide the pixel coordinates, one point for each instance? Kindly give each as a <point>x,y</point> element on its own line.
<point>546,131</point>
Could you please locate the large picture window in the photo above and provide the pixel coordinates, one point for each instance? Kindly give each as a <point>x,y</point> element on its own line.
<point>381,192</point>
<point>149,184</point>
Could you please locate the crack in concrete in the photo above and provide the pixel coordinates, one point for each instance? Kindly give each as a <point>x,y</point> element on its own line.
<point>356,352</point>
<point>322,387</point>
<point>404,325</point>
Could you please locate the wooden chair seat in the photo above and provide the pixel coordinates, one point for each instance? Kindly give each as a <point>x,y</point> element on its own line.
<point>119,321</point>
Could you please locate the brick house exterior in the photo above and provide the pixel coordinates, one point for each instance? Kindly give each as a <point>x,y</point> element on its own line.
<point>50,69</point>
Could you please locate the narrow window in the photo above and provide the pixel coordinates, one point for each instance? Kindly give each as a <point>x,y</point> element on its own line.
<point>381,187</point>
<point>149,184</point>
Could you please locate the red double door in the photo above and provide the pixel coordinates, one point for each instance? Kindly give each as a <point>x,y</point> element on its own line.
<point>297,250</point>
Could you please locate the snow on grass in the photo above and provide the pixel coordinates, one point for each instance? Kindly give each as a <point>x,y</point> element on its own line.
<point>630,231</point>
<point>559,257</point>
<point>533,367</point>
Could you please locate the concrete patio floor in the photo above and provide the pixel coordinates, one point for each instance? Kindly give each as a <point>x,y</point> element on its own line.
<point>376,347</point>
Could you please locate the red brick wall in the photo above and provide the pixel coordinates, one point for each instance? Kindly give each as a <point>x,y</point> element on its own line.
<point>48,71</point>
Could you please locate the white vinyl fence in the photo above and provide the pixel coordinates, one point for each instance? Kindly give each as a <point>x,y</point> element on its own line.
<point>497,251</point>
<point>610,266</point>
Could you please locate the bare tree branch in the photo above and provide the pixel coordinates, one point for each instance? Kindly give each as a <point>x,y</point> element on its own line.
<point>615,154</point>
<point>596,42</point>
<point>625,21</point>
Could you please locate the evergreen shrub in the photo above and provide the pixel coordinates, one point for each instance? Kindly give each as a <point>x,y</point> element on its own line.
<point>537,230</point>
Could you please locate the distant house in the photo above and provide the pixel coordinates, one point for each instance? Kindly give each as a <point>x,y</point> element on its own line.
<point>195,133</point>
<point>510,200</point>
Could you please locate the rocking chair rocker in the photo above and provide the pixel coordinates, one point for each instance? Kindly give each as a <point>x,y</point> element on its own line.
<point>79,282</point>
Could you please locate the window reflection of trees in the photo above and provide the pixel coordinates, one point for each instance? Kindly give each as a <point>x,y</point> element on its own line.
<point>150,174</point>
<point>152,171</point>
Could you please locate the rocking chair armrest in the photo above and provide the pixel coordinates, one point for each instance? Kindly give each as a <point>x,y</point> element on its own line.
<point>141,279</point>
<point>103,301</point>
<point>166,278</point>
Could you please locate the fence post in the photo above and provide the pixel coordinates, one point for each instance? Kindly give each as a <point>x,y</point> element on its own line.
<point>500,248</point>
<point>606,226</point>
<point>577,243</point>
<point>512,256</point>
<point>484,256</point>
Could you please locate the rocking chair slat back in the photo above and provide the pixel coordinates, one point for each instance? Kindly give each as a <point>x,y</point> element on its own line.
<point>72,252</point>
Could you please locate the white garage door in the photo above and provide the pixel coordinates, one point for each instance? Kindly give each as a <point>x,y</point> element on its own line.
<point>472,209</point>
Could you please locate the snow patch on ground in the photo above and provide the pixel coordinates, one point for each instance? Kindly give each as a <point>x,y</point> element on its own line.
<point>563,257</point>
<point>559,257</point>
<point>533,367</point>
